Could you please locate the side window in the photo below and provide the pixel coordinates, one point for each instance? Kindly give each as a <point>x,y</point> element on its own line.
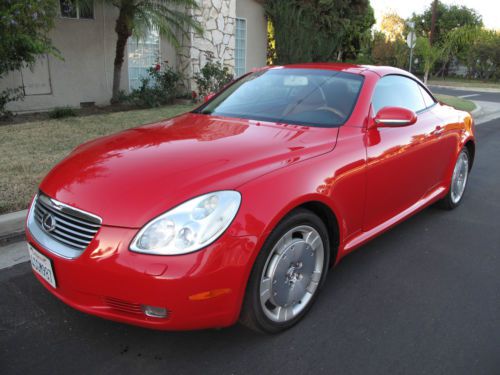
<point>397,91</point>
<point>72,9</point>
<point>240,47</point>
<point>428,100</point>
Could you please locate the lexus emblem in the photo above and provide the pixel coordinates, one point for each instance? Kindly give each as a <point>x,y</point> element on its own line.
<point>49,223</point>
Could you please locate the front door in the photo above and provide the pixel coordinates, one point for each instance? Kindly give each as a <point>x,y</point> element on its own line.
<point>401,160</point>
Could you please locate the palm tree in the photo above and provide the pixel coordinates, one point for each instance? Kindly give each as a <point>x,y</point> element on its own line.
<point>137,17</point>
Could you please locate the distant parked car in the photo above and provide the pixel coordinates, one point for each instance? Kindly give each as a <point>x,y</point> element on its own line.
<point>237,210</point>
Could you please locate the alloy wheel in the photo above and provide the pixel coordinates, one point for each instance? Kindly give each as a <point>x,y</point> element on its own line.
<point>292,273</point>
<point>460,175</point>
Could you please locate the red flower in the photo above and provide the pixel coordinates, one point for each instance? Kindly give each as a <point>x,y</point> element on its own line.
<point>194,94</point>
<point>157,67</point>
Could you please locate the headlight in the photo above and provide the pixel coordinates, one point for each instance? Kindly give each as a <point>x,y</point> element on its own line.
<point>189,226</point>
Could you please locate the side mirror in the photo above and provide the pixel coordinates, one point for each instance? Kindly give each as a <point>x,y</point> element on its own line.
<point>209,96</point>
<point>395,116</point>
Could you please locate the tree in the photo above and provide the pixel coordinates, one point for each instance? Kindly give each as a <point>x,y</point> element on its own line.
<point>432,33</point>
<point>318,30</point>
<point>389,45</point>
<point>358,29</point>
<point>457,42</point>
<point>24,27</point>
<point>430,54</point>
<point>448,18</point>
<point>437,23</point>
<point>387,52</point>
<point>287,18</point>
<point>393,26</point>
<point>483,55</point>
<point>136,17</point>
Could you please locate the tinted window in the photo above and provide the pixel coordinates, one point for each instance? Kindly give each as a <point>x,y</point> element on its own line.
<point>428,100</point>
<point>294,96</point>
<point>397,91</point>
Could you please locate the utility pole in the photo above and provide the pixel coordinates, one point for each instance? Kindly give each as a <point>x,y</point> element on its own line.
<point>433,21</point>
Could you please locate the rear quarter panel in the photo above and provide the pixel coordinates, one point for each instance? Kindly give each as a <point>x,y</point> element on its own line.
<point>459,129</point>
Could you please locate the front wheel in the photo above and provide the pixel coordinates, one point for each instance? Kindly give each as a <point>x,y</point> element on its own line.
<point>287,274</point>
<point>458,181</point>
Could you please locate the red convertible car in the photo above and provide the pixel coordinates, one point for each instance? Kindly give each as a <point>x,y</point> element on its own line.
<point>237,210</point>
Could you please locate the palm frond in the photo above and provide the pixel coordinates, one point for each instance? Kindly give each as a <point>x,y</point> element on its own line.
<point>169,17</point>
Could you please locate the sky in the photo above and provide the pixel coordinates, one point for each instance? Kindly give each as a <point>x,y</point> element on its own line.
<point>489,9</point>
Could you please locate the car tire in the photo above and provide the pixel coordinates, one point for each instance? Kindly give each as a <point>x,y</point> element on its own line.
<point>282,272</point>
<point>458,182</point>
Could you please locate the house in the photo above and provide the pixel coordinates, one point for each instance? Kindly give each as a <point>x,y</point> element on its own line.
<point>235,33</point>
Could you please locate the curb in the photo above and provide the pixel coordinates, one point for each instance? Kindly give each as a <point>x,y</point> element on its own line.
<point>12,227</point>
<point>462,88</point>
<point>11,238</point>
<point>476,110</point>
<point>484,113</point>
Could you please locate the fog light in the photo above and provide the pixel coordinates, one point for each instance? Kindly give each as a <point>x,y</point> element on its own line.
<point>155,312</point>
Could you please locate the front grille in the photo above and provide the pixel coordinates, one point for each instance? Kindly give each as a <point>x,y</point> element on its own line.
<point>124,306</point>
<point>67,225</point>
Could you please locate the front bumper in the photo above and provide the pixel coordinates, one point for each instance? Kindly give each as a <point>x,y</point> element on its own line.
<point>200,290</point>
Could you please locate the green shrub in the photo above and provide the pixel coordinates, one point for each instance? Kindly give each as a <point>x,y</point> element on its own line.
<point>159,87</point>
<point>6,96</point>
<point>62,112</point>
<point>319,30</point>
<point>212,78</point>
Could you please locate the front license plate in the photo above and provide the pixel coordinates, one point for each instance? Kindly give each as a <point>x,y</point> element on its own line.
<point>42,266</point>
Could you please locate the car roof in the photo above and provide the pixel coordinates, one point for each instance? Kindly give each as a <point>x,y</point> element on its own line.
<point>348,68</point>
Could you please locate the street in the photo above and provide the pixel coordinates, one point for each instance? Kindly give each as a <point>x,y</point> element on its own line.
<point>424,298</point>
<point>493,97</point>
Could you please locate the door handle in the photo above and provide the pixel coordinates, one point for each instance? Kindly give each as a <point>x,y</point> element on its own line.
<point>439,129</point>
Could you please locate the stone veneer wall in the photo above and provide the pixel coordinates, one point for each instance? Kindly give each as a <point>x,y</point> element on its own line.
<point>218,18</point>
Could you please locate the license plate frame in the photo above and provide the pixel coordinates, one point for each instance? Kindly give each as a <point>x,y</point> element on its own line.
<point>43,266</point>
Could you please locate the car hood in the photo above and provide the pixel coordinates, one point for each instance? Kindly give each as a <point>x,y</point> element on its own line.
<point>133,176</point>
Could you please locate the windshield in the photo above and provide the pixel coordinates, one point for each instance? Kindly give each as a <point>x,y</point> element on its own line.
<point>310,97</point>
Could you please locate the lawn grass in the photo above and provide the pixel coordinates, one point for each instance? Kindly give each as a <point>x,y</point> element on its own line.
<point>462,82</point>
<point>30,150</point>
<point>458,103</point>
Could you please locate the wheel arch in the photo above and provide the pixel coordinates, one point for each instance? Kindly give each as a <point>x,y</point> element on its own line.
<point>471,148</point>
<point>328,217</point>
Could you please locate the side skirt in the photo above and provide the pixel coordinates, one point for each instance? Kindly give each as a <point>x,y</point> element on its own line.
<point>364,237</point>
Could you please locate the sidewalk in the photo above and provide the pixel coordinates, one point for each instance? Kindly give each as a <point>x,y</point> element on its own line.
<point>485,111</point>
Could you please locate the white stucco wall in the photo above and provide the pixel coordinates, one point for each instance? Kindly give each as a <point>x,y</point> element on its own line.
<point>86,72</point>
<point>253,12</point>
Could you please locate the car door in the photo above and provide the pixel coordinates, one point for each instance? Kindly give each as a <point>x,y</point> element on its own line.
<point>401,160</point>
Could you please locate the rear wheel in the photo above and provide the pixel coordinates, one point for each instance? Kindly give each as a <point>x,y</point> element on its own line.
<point>287,274</point>
<point>458,181</point>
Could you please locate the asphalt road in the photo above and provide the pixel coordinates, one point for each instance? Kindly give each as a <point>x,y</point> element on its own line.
<point>423,298</point>
<point>468,94</point>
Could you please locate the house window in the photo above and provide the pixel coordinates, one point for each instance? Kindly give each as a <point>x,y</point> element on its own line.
<point>241,47</point>
<point>143,54</point>
<point>72,9</point>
